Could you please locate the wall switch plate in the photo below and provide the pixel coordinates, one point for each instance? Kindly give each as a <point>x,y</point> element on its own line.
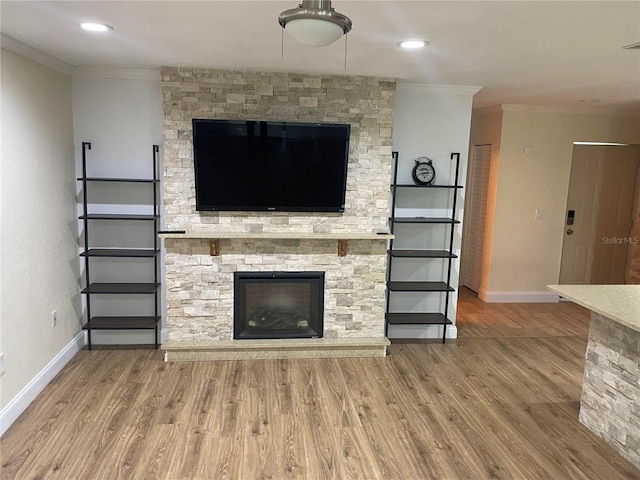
<point>539,214</point>
<point>54,318</point>
<point>2,369</point>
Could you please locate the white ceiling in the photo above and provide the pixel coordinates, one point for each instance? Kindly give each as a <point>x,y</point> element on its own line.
<point>553,53</point>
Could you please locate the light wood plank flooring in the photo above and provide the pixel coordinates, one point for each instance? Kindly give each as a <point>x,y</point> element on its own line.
<point>500,403</point>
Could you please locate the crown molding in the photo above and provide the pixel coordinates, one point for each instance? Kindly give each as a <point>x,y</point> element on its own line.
<point>119,73</point>
<point>576,110</point>
<point>487,110</point>
<point>438,89</point>
<point>12,45</point>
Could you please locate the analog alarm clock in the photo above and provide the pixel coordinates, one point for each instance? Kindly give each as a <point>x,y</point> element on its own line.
<point>423,171</point>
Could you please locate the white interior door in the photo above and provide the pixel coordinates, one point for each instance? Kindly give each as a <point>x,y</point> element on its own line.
<point>598,200</point>
<point>475,215</point>
<point>584,186</point>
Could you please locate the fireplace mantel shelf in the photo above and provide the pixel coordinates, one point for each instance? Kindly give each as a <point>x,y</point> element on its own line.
<point>214,237</point>
<point>280,235</point>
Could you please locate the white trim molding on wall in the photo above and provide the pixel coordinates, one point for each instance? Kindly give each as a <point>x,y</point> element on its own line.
<point>517,297</point>
<point>575,110</point>
<point>19,404</point>
<point>118,73</point>
<point>439,89</point>
<point>16,46</point>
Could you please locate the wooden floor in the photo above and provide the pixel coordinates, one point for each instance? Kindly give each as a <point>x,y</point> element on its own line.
<point>500,403</point>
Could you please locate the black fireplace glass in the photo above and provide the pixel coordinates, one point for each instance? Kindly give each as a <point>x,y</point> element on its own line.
<point>278,305</point>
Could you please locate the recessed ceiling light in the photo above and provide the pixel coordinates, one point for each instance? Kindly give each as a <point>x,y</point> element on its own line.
<point>95,27</point>
<point>413,44</point>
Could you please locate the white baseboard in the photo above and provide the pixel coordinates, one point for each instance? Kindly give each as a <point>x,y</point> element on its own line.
<point>20,402</point>
<point>421,331</point>
<point>518,297</point>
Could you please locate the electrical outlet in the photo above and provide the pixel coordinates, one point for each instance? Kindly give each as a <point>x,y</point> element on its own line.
<point>54,318</point>
<point>2,370</point>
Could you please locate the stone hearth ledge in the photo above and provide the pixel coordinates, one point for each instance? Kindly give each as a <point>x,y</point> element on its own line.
<point>275,349</point>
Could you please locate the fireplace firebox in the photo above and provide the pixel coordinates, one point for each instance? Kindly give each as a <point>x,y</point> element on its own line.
<point>278,305</point>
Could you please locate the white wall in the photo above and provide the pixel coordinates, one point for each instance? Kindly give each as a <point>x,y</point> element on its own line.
<point>431,121</point>
<point>525,252</point>
<point>120,112</point>
<point>38,249</point>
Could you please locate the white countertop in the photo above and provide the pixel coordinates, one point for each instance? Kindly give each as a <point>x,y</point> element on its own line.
<point>620,303</point>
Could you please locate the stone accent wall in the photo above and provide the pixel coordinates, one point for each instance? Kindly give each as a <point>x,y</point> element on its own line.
<point>366,103</point>
<point>610,404</point>
<point>199,286</point>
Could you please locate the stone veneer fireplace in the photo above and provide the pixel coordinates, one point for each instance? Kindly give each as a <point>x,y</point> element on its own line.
<point>201,262</point>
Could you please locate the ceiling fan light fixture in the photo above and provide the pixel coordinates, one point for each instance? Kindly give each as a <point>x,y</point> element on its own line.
<point>315,23</point>
<point>95,27</point>
<point>413,44</point>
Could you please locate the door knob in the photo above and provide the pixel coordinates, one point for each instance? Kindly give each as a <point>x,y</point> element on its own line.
<point>569,231</point>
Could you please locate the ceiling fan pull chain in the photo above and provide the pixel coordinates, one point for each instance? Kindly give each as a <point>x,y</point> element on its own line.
<point>345,50</point>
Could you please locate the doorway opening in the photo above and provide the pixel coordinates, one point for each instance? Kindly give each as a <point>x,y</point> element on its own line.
<point>475,216</point>
<point>600,240</point>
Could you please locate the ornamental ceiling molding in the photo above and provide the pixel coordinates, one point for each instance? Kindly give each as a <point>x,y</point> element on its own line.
<point>437,89</point>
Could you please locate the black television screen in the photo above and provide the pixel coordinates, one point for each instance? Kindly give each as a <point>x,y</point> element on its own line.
<point>270,166</point>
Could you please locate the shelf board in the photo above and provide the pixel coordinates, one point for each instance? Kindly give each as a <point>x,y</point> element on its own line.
<point>117,216</point>
<point>395,286</point>
<point>408,185</point>
<point>118,179</point>
<point>120,252</point>
<point>121,323</point>
<point>127,288</point>
<point>422,254</point>
<point>279,235</point>
<point>424,220</point>
<point>214,238</point>
<point>417,319</point>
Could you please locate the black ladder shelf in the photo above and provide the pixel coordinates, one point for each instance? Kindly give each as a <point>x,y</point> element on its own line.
<point>120,322</point>
<point>442,286</point>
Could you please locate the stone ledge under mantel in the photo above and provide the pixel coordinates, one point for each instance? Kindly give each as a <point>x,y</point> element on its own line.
<point>275,349</point>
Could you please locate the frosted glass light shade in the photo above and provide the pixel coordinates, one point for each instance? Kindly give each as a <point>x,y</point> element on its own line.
<point>314,32</point>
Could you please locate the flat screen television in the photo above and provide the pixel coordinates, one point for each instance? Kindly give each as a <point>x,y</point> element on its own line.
<point>270,166</point>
